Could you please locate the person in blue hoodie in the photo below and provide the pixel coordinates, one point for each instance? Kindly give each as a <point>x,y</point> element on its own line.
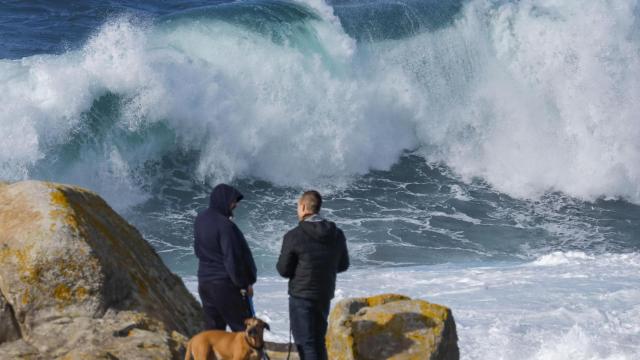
<point>226,269</point>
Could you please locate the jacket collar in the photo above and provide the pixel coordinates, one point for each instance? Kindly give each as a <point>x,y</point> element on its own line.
<point>314,218</point>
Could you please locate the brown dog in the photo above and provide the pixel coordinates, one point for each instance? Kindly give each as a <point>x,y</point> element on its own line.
<point>222,345</point>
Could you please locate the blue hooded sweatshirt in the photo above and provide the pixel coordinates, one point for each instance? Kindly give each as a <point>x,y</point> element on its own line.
<point>222,250</point>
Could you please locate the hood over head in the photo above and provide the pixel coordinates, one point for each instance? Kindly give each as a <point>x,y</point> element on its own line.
<point>319,229</point>
<point>221,198</point>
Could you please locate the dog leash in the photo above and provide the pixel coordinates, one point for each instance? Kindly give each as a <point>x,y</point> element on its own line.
<point>252,312</point>
<point>290,342</point>
<point>249,302</point>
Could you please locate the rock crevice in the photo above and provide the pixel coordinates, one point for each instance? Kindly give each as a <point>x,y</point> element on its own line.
<point>9,328</point>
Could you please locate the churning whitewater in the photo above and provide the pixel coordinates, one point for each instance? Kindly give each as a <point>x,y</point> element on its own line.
<point>532,96</point>
<point>483,154</point>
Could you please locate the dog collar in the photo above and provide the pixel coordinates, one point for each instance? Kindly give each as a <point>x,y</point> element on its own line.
<point>261,348</point>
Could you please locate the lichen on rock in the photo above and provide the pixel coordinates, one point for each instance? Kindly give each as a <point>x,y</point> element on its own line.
<point>391,326</point>
<point>73,273</point>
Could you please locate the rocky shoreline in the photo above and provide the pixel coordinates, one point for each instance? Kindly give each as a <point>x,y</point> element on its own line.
<point>79,282</point>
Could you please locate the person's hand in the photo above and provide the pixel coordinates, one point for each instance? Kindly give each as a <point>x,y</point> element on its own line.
<point>250,291</point>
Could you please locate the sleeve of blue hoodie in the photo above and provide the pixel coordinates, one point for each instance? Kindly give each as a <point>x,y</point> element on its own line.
<point>238,260</point>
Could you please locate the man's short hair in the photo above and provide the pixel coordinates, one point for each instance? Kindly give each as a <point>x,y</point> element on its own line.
<point>312,200</point>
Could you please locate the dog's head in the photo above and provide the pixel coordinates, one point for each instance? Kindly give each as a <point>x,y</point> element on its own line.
<point>255,331</point>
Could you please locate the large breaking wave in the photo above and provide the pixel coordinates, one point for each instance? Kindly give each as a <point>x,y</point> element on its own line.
<point>532,96</point>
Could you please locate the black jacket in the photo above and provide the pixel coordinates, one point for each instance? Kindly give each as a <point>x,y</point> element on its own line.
<point>312,254</point>
<point>222,250</point>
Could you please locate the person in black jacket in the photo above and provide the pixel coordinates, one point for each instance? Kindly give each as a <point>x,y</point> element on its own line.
<point>226,267</point>
<point>311,256</point>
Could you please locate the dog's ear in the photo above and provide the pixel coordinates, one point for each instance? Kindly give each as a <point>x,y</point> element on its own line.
<point>266,326</point>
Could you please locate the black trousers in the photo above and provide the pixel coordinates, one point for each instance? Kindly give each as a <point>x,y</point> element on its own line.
<point>223,305</point>
<point>309,326</point>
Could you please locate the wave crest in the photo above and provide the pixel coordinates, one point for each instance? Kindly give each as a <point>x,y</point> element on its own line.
<point>515,93</point>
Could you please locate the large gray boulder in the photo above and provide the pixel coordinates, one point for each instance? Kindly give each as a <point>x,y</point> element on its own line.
<point>78,282</point>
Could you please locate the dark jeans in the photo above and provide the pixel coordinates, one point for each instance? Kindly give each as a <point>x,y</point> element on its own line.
<point>309,326</point>
<point>223,305</point>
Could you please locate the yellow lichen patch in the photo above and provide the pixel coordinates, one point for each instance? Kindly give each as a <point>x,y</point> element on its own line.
<point>384,298</point>
<point>67,266</point>
<point>141,319</point>
<point>64,211</point>
<point>22,256</point>
<point>26,297</point>
<point>33,274</point>
<point>81,293</point>
<point>62,293</point>
<point>5,252</point>
<point>27,272</point>
<point>386,326</point>
<point>436,312</point>
<point>58,198</point>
